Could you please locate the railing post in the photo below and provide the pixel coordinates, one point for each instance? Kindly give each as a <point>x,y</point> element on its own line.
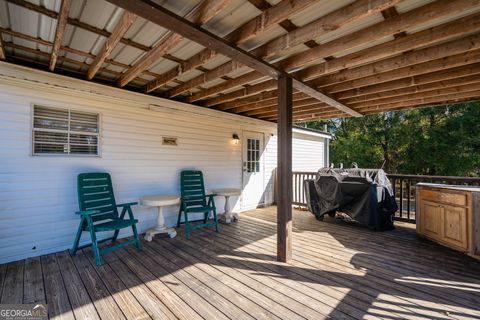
<point>409,182</point>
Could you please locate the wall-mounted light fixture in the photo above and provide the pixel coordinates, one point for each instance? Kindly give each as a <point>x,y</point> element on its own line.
<point>235,138</point>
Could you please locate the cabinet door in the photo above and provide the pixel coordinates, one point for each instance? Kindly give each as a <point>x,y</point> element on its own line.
<point>455,226</point>
<point>432,216</point>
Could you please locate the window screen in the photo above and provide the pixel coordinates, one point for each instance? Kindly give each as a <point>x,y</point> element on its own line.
<point>64,132</point>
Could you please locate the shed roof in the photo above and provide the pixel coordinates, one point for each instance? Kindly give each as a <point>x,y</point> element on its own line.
<point>368,55</point>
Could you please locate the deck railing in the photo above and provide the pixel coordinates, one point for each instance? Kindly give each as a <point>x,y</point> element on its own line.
<point>403,188</point>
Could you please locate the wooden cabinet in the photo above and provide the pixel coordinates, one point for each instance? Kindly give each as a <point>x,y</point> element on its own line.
<point>449,215</point>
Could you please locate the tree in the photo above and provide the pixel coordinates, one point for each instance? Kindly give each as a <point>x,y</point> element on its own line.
<point>441,140</point>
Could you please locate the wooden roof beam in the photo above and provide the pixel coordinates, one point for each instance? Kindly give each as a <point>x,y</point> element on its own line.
<point>431,94</point>
<point>463,27</point>
<point>330,22</point>
<point>467,25</point>
<point>72,50</point>
<point>420,83</point>
<point>382,29</point>
<point>3,54</point>
<point>77,23</point>
<point>322,25</point>
<point>201,14</point>
<point>442,89</point>
<point>268,102</point>
<point>394,107</point>
<point>443,63</point>
<point>165,18</point>
<point>416,80</point>
<point>122,26</point>
<point>471,78</point>
<point>63,59</point>
<point>421,15</point>
<point>439,51</point>
<point>61,24</point>
<point>266,20</point>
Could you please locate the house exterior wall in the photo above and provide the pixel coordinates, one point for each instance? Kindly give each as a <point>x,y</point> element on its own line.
<point>38,193</point>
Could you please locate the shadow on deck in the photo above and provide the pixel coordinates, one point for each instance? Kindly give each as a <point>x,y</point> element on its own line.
<point>338,270</point>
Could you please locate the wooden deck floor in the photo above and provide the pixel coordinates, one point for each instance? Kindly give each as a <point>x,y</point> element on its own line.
<point>339,271</point>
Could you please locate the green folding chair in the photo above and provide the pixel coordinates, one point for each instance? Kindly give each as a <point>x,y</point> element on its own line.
<point>99,212</point>
<point>194,200</point>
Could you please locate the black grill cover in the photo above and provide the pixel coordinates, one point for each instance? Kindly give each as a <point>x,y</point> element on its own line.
<point>365,195</point>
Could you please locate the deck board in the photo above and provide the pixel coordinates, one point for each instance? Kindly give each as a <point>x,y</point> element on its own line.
<point>339,271</point>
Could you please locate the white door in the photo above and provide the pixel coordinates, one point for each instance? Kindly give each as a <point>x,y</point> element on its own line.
<point>253,171</point>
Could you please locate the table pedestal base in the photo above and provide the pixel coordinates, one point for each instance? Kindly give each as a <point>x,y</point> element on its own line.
<point>160,229</point>
<point>228,214</point>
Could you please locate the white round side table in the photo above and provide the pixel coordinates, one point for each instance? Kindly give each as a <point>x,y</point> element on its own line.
<point>227,193</point>
<point>160,201</point>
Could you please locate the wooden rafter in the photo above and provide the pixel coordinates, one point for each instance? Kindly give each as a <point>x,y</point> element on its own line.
<point>270,15</point>
<point>267,19</point>
<point>85,26</point>
<point>377,31</point>
<point>63,59</point>
<point>161,16</point>
<point>468,91</point>
<point>432,101</point>
<point>449,75</point>
<point>61,24</point>
<point>465,26</point>
<point>74,51</point>
<point>472,77</point>
<point>323,25</point>
<point>445,74</point>
<point>122,26</point>
<point>400,64</point>
<point>330,22</point>
<point>422,15</point>
<point>439,51</point>
<point>3,54</point>
<point>405,72</point>
<point>468,25</point>
<point>441,89</point>
<point>201,14</point>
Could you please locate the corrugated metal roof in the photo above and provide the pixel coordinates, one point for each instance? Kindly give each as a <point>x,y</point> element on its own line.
<point>105,16</point>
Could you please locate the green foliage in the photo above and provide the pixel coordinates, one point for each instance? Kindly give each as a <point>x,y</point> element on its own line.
<point>433,141</point>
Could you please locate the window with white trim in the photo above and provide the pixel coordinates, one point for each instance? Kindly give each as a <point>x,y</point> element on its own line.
<point>59,131</point>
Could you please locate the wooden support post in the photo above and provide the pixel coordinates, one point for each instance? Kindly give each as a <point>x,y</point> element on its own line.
<point>61,25</point>
<point>284,170</point>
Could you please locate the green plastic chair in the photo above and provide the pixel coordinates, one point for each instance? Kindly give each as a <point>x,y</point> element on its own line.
<point>194,200</point>
<point>99,212</point>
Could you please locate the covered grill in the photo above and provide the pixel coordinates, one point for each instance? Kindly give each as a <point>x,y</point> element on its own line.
<point>365,195</point>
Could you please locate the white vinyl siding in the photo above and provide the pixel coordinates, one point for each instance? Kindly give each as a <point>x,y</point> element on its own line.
<point>308,153</point>
<point>38,194</point>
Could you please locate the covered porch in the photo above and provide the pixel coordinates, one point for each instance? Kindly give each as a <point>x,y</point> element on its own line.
<point>338,270</point>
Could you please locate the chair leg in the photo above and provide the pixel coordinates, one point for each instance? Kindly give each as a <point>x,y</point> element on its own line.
<point>179,217</point>
<point>115,235</point>
<point>215,219</point>
<point>205,217</point>
<point>187,226</point>
<point>95,249</point>
<point>138,243</point>
<point>74,249</point>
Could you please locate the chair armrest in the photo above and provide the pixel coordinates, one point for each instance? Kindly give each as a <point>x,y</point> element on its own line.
<point>87,212</point>
<point>128,204</point>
